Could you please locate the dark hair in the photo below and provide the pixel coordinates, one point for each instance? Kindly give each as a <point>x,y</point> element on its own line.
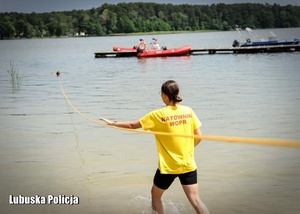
<point>171,89</point>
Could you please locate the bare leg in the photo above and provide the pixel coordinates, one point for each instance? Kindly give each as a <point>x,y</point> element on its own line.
<point>192,194</point>
<point>157,206</point>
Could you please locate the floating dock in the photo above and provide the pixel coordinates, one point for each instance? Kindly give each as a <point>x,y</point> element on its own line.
<point>200,51</point>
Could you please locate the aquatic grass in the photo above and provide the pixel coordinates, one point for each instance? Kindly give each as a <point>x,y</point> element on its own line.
<point>15,78</point>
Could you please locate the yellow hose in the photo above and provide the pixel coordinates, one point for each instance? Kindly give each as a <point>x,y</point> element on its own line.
<point>259,141</point>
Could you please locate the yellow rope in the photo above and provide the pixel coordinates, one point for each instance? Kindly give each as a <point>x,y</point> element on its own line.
<point>271,142</point>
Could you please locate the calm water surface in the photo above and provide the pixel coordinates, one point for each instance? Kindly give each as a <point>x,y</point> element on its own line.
<point>47,149</point>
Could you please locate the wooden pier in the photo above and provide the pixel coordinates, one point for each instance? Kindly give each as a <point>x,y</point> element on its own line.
<point>200,51</point>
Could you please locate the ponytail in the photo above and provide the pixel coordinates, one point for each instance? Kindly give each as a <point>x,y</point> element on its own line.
<point>171,89</point>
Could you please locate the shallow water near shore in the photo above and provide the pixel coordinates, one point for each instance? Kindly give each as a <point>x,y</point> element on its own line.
<point>48,149</point>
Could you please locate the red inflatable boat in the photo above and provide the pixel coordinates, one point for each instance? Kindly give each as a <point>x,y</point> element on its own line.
<point>122,49</point>
<point>182,51</point>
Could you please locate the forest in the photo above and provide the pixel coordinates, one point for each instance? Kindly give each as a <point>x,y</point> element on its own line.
<point>125,18</point>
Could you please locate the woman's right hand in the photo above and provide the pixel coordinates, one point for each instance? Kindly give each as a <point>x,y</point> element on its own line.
<point>108,122</point>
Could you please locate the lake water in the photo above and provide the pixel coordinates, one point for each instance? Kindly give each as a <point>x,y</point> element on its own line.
<point>48,149</point>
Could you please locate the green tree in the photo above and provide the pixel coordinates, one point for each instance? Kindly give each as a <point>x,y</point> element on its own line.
<point>109,20</point>
<point>180,21</point>
<point>125,25</point>
<point>147,17</point>
<point>82,22</point>
<point>7,30</point>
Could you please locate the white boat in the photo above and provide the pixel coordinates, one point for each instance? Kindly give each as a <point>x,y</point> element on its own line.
<point>251,39</point>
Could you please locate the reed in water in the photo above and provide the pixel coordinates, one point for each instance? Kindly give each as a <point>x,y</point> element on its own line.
<point>15,78</point>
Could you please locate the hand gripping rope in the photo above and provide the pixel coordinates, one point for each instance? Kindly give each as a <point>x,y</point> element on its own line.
<point>259,141</point>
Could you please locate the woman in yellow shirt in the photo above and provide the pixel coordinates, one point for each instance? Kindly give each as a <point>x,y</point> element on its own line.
<point>176,154</point>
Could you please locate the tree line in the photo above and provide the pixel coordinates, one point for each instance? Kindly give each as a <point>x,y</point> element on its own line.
<point>142,17</point>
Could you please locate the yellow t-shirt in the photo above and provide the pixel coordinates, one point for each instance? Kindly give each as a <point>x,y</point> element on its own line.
<point>175,154</point>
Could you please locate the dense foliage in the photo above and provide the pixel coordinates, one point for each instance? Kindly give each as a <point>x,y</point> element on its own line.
<point>147,17</point>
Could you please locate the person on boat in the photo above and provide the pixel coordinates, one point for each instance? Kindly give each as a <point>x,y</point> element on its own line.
<point>176,154</point>
<point>155,45</point>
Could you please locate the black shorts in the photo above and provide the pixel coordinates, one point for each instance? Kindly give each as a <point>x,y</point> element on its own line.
<point>164,181</point>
